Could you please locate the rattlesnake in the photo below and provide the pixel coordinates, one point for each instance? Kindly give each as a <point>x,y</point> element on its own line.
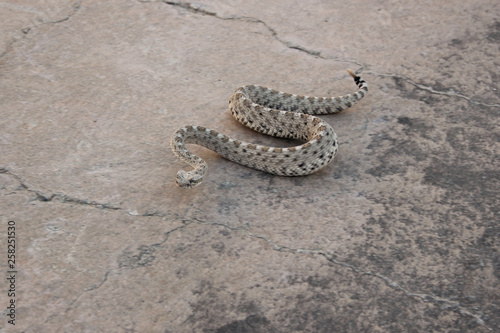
<point>274,113</point>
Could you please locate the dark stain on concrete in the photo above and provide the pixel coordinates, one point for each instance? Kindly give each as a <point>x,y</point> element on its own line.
<point>144,256</point>
<point>494,34</point>
<point>251,324</point>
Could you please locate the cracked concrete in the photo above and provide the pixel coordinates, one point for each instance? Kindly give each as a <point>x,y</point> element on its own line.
<point>57,196</point>
<point>400,233</point>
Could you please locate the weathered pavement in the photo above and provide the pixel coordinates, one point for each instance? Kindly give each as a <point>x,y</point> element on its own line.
<point>400,233</point>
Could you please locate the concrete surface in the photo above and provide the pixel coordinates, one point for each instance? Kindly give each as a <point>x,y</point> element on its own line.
<point>400,234</point>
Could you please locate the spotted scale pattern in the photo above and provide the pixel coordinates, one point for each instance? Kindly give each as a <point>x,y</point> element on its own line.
<point>273,113</point>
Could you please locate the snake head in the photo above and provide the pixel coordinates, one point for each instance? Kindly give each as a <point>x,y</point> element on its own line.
<point>188,179</point>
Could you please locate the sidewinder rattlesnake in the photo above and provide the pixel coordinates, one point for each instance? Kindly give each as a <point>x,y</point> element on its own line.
<point>273,113</point>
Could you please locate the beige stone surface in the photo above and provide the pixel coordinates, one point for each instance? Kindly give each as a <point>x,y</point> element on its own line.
<point>400,233</point>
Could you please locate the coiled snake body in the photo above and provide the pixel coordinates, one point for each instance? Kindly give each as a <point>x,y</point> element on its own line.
<point>273,113</point>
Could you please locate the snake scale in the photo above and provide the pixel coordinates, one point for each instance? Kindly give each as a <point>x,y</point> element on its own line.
<point>275,113</point>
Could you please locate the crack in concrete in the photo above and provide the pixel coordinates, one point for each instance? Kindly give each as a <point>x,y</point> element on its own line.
<point>57,196</point>
<point>110,271</point>
<point>138,260</point>
<point>200,9</point>
<point>76,7</point>
<point>91,288</point>
<point>192,7</point>
<point>26,30</point>
<point>203,10</point>
<point>449,93</point>
<point>448,304</point>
